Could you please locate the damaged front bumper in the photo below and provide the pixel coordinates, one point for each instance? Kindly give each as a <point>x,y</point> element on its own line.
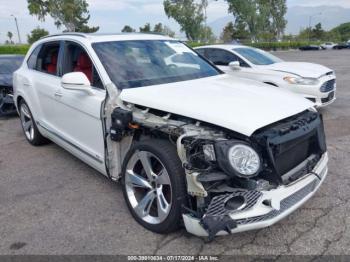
<point>260,209</point>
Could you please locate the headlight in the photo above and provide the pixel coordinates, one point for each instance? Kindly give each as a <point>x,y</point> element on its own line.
<point>301,81</point>
<point>244,160</point>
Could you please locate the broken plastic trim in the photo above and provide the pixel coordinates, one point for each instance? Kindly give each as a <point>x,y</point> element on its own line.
<point>215,224</point>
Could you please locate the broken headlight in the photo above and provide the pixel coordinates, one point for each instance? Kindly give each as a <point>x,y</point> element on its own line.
<point>238,158</point>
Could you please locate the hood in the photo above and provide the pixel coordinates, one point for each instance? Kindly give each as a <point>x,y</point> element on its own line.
<point>237,104</point>
<point>300,69</point>
<point>5,79</point>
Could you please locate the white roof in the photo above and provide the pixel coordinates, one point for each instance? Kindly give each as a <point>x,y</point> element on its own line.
<point>224,46</point>
<point>107,37</point>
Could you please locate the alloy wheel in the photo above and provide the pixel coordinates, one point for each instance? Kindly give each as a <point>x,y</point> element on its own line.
<point>148,187</point>
<point>27,122</point>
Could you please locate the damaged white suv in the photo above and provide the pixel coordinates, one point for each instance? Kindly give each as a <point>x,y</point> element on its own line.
<point>192,146</point>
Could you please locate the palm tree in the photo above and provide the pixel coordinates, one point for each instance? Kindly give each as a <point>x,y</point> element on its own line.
<point>10,35</point>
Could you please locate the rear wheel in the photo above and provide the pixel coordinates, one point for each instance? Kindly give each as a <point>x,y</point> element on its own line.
<point>154,185</point>
<point>30,129</point>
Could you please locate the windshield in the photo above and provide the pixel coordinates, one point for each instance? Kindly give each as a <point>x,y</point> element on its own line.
<point>257,57</point>
<point>139,63</point>
<point>9,65</point>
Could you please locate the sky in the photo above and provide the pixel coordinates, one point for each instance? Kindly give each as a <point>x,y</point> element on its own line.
<point>112,15</point>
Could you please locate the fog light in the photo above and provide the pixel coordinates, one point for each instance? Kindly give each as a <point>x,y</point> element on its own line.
<point>235,203</point>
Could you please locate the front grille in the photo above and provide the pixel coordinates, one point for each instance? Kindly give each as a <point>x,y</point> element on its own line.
<point>311,99</point>
<point>289,143</point>
<point>286,204</point>
<point>328,86</point>
<point>328,98</point>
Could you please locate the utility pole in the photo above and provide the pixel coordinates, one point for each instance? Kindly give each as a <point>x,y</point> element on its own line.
<point>19,36</point>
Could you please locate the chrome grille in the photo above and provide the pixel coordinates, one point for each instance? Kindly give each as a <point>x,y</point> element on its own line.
<point>217,204</point>
<point>285,204</point>
<point>328,86</point>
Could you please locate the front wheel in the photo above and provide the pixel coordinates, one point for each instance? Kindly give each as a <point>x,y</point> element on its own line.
<point>154,185</point>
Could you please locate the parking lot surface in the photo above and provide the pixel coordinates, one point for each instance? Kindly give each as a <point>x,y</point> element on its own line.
<point>52,203</point>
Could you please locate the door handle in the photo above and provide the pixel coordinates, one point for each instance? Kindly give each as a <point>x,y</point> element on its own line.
<point>58,95</point>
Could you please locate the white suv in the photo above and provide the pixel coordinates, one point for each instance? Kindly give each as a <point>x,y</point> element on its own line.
<point>188,142</point>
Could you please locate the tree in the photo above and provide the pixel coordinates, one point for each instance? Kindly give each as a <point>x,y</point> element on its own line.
<point>318,32</point>
<point>207,35</point>
<point>235,31</point>
<point>342,31</point>
<point>72,14</point>
<point>163,29</point>
<point>227,33</point>
<point>158,28</point>
<point>167,31</point>
<point>188,14</point>
<point>10,35</point>
<point>260,17</point>
<point>128,29</point>
<point>277,10</point>
<point>246,14</point>
<point>36,34</point>
<point>146,28</point>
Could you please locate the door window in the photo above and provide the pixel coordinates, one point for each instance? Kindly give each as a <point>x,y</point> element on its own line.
<point>223,58</point>
<point>47,58</point>
<point>33,59</point>
<point>76,59</point>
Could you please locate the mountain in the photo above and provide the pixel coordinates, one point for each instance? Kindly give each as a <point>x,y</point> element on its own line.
<point>218,24</point>
<point>329,16</point>
<point>298,17</point>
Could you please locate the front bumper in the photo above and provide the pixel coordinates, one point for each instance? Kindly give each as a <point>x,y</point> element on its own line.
<point>282,201</point>
<point>314,93</point>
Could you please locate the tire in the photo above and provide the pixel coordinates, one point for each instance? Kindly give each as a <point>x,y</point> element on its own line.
<point>29,126</point>
<point>162,211</point>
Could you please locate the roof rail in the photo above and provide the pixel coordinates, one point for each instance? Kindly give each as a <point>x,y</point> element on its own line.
<point>69,33</point>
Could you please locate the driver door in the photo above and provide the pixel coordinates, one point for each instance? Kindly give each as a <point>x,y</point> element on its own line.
<point>78,114</point>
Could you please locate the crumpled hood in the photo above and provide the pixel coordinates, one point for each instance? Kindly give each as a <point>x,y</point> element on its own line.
<point>5,80</point>
<point>299,69</point>
<point>240,105</point>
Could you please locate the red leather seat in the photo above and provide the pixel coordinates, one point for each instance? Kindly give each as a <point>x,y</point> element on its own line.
<point>52,67</point>
<point>84,65</point>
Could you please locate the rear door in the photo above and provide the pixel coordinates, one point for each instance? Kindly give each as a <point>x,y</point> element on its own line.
<point>78,114</point>
<point>45,80</point>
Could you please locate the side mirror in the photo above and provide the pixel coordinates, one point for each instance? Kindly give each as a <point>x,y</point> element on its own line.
<point>76,81</point>
<point>235,65</point>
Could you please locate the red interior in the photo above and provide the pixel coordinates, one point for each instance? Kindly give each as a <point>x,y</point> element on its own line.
<point>84,65</point>
<point>52,67</point>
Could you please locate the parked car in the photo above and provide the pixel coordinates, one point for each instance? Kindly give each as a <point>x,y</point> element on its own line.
<point>341,46</point>
<point>314,82</point>
<point>187,142</point>
<point>310,48</point>
<point>328,45</point>
<point>8,64</point>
